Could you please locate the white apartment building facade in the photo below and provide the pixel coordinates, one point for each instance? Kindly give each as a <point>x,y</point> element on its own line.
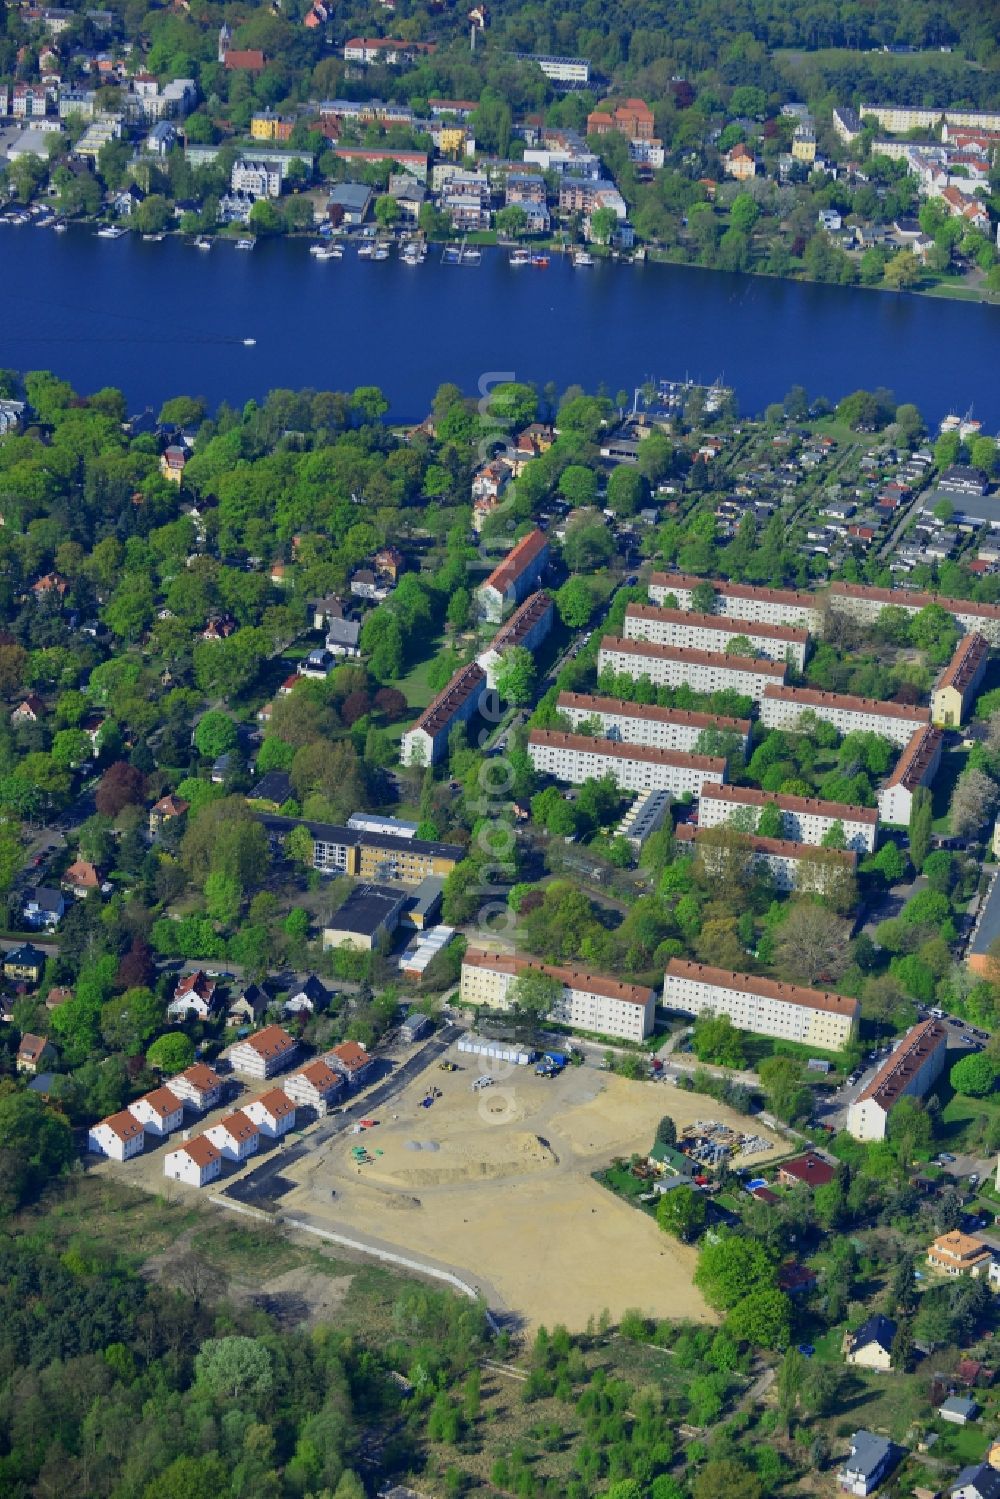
<point>641,723</point>
<point>465,695</point>
<point>916,766</point>
<point>576,758</point>
<point>909,1072</point>
<point>865,604</point>
<point>766,606</point>
<point>900,118</point>
<point>806,819</point>
<point>792,866</point>
<point>702,671</point>
<point>264,1053</point>
<point>781,708</point>
<point>589,1002</point>
<point>527,627</point>
<point>762,1006</point>
<point>514,578</point>
<point>708,632</point>
<point>196,1163</point>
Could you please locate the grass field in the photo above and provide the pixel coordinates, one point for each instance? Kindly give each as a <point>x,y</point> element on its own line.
<point>952,765</point>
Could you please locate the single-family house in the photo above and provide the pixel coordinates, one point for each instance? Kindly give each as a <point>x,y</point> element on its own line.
<point>44,908</point>
<point>196,1163</point>
<point>26,963</point>
<point>871,1345</point>
<point>809,1170</point>
<point>389,562</point>
<point>351,1060</point>
<point>957,1254</point>
<point>199,1085</point>
<point>193,996</point>
<point>159,1112</point>
<point>172,463</point>
<point>236,1136</point>
<point>958,1410</point>
<point>871,1459</point>
<point>263,1054</point>
<point>81,878</point>
<point>59,994</point>
<point>979,1481</point>
<point>119,1137</point>
<point>249,1006</point>
<point>314,1086</point>
<point>34,1052</point>
<point>273,1113</point>
<point>796,1279</point>
<point>307,999</point>
<point>166,810</point>
<point>29,710</point>
<point>343,637</point>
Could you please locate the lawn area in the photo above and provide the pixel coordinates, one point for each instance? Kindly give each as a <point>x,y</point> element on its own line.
<point>961,1444</point>
<point>952,765</point>
<point>960,1117</point>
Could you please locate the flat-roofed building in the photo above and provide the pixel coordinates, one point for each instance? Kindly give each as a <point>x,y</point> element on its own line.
<point>806,819</point>
<point>781,708</point>
<point>589,1002</point>
<point>368,917</point>
<point>865,604</point>
<point>368,854</point>
<point>909,1072</point>
<point>793,866</point>
<point>769,606</point>
<point>956,687</point>
<point>634,767</point>
<point>644,723</point>
<point>763,1006</point>
<point>527,627</point>
<point>916,766</point>
<point>687,630</point>
<point>702,671</point>
<point>465,695</point>
<point>513,579</point>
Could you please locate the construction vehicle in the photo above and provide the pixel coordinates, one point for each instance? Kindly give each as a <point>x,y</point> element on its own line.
<point>551,1064</point>
<point>448,1066</point>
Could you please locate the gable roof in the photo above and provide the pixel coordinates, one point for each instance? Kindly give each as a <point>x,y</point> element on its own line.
<point>878,1329</point>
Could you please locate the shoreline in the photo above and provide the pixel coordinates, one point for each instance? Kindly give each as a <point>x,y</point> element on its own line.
<point>947,291</point>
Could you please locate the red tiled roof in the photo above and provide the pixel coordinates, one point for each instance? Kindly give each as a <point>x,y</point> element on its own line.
<point>808,805</point>
<point>687,582</point>
<point>271,1042</point>
<point>618,750</point>
<point>585,703</point>
<point>749,983</point>
<point>276,1102</point>
<point>201,1150</point>
<point>576,978</point>
<point>353,1055</point>
<point>124,1125</point>
<point>970,653</point>
<point>812,697</point>
<point>651,650</point>
<point>520,557</point>
<point>897,1070</point>
<point>724,623</point>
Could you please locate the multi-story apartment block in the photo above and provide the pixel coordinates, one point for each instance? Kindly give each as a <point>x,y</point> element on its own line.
<point>634,767</point>
<point>898,118</point>
<point>793,866</point>
<point>746,601</point>
<point>707,632</point>
<point>813,1017</point>
<point>909,1072</point>
<point>781,708</point>
<point>367,853</point>
<point>956,687</point>
<point>806,819</point>
<point>632,118</point>
<point>515,577</point>
<point>29,101</point>
<point>641,723</point>
<point>527,627</point>
<point>866,604</point>
<point>916,766</point>
<point>702,671</point>
<point>465,695</point>
<point>384,50</point>
<point>589,1001</point>
<point>266,126</point>
<point>585,195</point>
<point>258,179</point>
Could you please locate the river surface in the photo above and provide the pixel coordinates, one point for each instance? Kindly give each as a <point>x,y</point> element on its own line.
<point>164,319</point>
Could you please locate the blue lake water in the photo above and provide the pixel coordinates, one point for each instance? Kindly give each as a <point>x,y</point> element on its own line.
<point>163,319</point>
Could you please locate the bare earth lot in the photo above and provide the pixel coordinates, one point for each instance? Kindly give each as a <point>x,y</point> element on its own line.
<point>497,1186</point>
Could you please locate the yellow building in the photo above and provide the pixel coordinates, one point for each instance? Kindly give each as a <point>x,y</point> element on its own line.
<point>804,145</point>
<point>270,127</point>
<point>957,1254</point>
<point>956,687</point>
<point>740,163</point>
<point>452,140</point>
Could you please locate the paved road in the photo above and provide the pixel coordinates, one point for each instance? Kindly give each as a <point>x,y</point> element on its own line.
<point>834,1111</point>
<point>263,1186</point>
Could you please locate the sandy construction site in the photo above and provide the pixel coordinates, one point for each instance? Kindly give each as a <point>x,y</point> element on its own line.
<point>496,1186</point>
